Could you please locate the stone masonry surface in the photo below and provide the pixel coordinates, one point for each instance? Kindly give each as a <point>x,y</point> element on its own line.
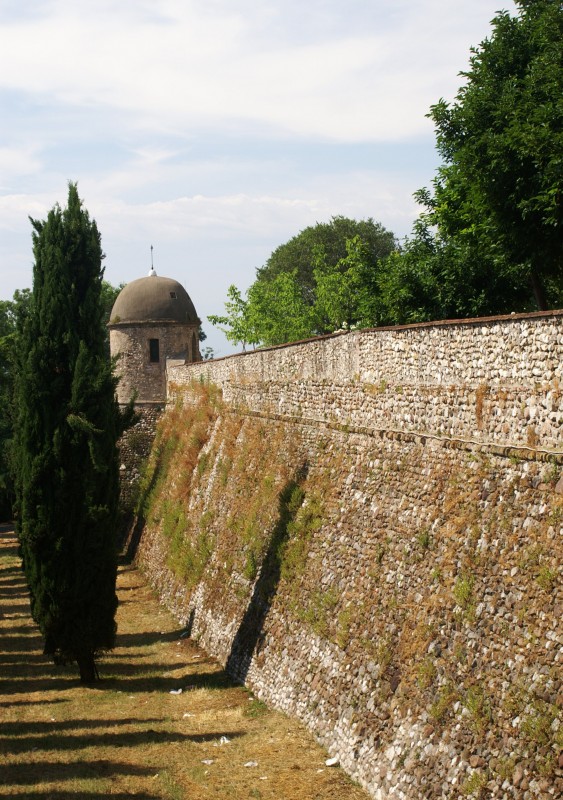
<point>130,342</point>
<point>134,448</point>
<point>367,530</point>
<point>494,381</point>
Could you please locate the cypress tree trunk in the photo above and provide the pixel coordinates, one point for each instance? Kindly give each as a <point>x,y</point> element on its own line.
<point>87,668</point>
<point>66,433</point>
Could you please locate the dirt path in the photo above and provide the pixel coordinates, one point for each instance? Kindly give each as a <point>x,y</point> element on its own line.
<point>135,735</point>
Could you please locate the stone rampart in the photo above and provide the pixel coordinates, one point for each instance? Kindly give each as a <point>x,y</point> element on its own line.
<point>489,381</point>
<point>367,529</point>
<point>134,449</point>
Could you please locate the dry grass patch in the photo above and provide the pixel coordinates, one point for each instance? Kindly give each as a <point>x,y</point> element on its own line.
<point>130,736</point>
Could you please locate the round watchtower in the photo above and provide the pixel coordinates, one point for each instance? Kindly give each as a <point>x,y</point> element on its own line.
<point>153,319</point>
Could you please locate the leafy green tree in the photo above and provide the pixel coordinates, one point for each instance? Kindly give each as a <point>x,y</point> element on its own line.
<point>489,239</point>
<point>344,296</point>
<point>500,189</point>
<point>7,330</point>
<point>436,276</point>
<point>235,323</point>
<point>12,314</point>
<point>300,253</point>
<point>325,276</point>
<point>108,296</point>
<point>277,311</point>
<point>67,427</point>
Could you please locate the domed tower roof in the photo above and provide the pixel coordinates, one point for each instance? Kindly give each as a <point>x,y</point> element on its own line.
<point>153,299</point>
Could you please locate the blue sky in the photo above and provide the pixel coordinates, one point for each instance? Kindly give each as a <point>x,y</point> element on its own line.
<point>217,130</point>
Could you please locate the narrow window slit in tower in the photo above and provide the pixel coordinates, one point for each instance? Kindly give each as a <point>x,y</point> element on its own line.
<point>154,351</point>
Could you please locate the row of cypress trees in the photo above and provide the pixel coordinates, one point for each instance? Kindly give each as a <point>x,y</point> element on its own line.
<point>66,430</point>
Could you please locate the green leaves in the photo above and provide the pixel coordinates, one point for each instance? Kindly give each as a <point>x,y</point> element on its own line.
<point>502,141</point>
<point>490,238</point>
<point>67,426</point>
<point>235,323</point>
<point>318,282</point>
<point>278,311</point>
<point>343,295</point>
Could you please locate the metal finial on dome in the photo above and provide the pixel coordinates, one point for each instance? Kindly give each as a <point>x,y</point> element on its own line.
<point>152,271</point>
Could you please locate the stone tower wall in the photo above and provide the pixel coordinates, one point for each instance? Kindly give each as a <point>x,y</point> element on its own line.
<point>134,368</point>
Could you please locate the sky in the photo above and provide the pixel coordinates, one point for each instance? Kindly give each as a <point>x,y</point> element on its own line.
<point>218,130</point>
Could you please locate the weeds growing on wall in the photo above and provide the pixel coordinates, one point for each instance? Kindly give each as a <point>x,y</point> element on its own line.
<point>265,516</point>
<point>165,488</point>
<point>225,507</point>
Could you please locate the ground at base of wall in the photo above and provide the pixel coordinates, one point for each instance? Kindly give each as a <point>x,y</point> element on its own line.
<point>135,734</point>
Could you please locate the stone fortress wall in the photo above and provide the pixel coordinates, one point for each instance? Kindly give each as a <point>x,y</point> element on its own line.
<point>491,381</point>
<point>420,635</point>
<point>134,449</point>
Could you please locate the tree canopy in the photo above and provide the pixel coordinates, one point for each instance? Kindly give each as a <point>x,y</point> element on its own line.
<point>67,426</point>
<point>321,279</point>
<point>301,252</point>
<point>490,238</point>
<point>12,316</point>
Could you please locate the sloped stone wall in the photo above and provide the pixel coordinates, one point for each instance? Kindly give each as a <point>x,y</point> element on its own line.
<point>407,606</point>
<point>134,449</point>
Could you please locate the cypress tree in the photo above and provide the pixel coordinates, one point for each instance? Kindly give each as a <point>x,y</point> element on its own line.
<point>68,423</point>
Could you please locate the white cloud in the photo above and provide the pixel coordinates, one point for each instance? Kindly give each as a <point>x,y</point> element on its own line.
<point>16,161</point>
<point>245,216</point>
<point>181,65</point>
<point>15,210</point>
<point>217,130</point>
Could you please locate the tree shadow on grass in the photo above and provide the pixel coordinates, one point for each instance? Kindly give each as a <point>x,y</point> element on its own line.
<point>249,633</point>
<point>10,551</point>
<point>27,795</point>
<point>15,590</point>
<point>25,775</point>
<point>127,678</point>
<point>26,629</point>
<point>26,669</point>
<point>50,728</point>
<point>12,580</point>
<point>218,679</point>
<point>74,741</point>
<point>41,702</point>
<point>16,658</point>
<point>15,610</point>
